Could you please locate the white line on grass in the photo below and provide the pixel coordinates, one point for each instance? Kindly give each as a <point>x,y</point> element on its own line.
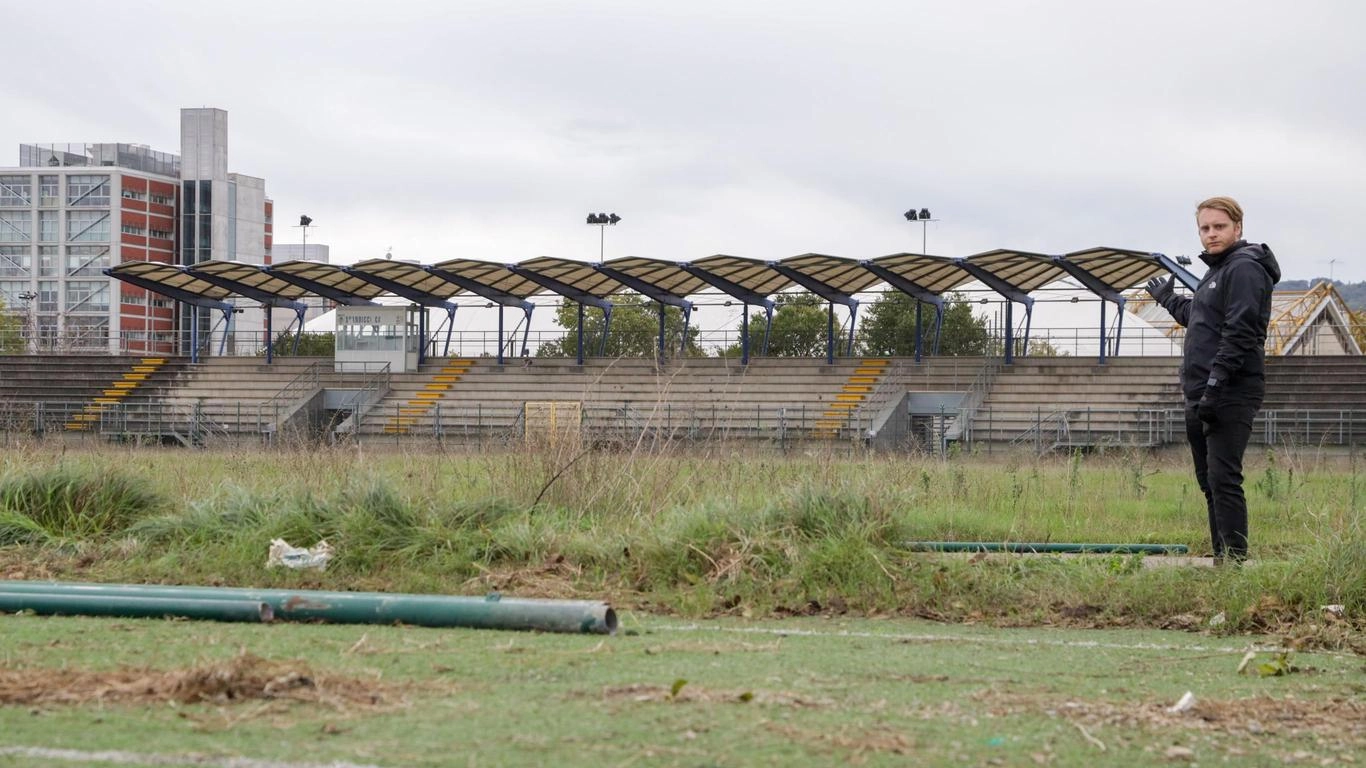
<point>140,758</point>
<point>905,637</point>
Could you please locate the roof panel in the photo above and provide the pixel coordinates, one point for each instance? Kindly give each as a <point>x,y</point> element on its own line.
<point>935,274</point>
<point>494,275</point>
<point>327,274</point>
<point>580,275</point>
<point>1119,268</point>
<point>665,275</point>
<point>844,275</point>
<point>171,276</point>
<point>1022,269</point>
<point>408,274</point>
<point>251,276</point>
<point>751,274</point>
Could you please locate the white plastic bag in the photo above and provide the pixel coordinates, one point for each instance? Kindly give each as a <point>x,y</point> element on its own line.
<point>283,553</point>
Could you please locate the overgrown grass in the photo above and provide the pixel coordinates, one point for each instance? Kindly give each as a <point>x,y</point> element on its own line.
<point>707,533</point>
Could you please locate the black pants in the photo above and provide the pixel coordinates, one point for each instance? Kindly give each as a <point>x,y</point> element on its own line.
<point>1218,452</point>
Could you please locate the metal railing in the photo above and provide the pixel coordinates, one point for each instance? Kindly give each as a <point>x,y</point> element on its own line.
<point>287,399</point>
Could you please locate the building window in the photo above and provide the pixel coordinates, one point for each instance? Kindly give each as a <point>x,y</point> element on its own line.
<point>87,296</point>
<point>48,230</point>
<point>15,261</point>
<point>86,260</point>
<point>87,191</point>
<point>9,294</point>
<point>49,191</point>
<point>162,234</point>
<point>16,191</point>
<point>133,194</point>
<point>47,295</point>
<point>160,199</point>
<point>16,227</point>
<point>132,229</point>
<point>159,303</point>
<point>47,260</point>
<point>87,226</point>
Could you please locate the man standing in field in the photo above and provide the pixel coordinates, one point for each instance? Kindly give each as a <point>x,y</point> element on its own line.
<point>1223,369</point>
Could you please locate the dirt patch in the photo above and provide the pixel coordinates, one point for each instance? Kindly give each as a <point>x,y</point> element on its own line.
<point>693,694</point>
<point>555,578</point>
<point>1340,721</point>
<point>243,678</point>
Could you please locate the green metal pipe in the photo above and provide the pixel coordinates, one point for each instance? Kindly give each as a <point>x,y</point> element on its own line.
<point>134,607</point>
<point>1045,548</point>
<point>489,612</point>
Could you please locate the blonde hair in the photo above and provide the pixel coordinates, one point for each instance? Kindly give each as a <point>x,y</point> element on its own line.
<point>1226,204</point>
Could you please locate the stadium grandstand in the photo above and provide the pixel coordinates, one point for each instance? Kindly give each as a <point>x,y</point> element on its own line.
<point>394,380</point>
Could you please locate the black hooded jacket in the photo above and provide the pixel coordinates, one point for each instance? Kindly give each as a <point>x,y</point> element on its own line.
<point>1226,321</point>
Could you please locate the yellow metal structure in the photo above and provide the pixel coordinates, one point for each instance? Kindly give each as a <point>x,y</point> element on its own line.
<point>117,391</point>
<point>852,394</point>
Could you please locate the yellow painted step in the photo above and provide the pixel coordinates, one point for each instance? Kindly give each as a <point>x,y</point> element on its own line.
<point>125,385</point>
<point>848,398</point>
<point>145,368</point>
<point>868,371</point>
<point>428,396</point>
<point>402,421</point>
<point>85,417</point>
<point>115,392</point>
<point>135,377</point>
<point>447,378</point>
<point>436,387</point>
<point>153,360</point>
<point>862,379</point>
<point>856,388</point>
<point>108,400</point>
<point>395,430</point>
<point>844,406</point>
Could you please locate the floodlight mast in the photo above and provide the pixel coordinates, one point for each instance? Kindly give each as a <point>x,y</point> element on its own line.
<point>922,216</point>
<point>602,221</point>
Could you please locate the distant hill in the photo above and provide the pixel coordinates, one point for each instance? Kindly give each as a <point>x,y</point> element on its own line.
<point>1352,293</point>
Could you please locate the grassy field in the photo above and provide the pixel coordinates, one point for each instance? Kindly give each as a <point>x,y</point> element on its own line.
<point>665,692</point>
<point>774,613</point>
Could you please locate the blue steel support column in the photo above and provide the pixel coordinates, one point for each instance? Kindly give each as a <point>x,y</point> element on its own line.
<point>1010,333</point>
<point>228,317</point>
<point>1010,293</point>
<point>500,334</point>
<point>299,314</point>
<point>830,333</point>
<point>450,328</point>
<point>661,332</point>
<point>744,336</point>
<point>270,345</point>
<point>526,332</point>
<point>580,345</point>
<point>918,333</point>
<point>687,317</point>
<point>1102,333</point>
<point>606,328</point>
<point>194,333</point>
<point>853,316</point>
<point>768,324</point>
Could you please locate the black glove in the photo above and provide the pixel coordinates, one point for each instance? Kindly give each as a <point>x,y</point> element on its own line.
<point>1159,289</point>
<point>1209,402</point>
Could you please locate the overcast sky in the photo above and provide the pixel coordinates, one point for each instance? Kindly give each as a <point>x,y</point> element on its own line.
<point>764,129</point>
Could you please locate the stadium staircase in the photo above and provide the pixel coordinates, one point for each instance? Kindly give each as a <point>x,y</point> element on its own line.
<point>419,403</point>
<point>89,416</point>
<point>857,389</point>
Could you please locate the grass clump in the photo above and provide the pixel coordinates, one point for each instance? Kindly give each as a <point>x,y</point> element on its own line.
<point>69,503</point>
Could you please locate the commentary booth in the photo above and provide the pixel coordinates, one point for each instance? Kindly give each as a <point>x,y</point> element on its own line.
<point>368,336</point>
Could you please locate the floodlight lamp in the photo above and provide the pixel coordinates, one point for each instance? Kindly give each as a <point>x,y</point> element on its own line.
<point>1183,260</point>
<point>981,301</point>
<point>305,221</point>
<point>592,219</point>
<point>602,218</point>
<point>910,215</point>
<point>1076,299</point>
<point>924,213</point>
<point>613,219</point>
